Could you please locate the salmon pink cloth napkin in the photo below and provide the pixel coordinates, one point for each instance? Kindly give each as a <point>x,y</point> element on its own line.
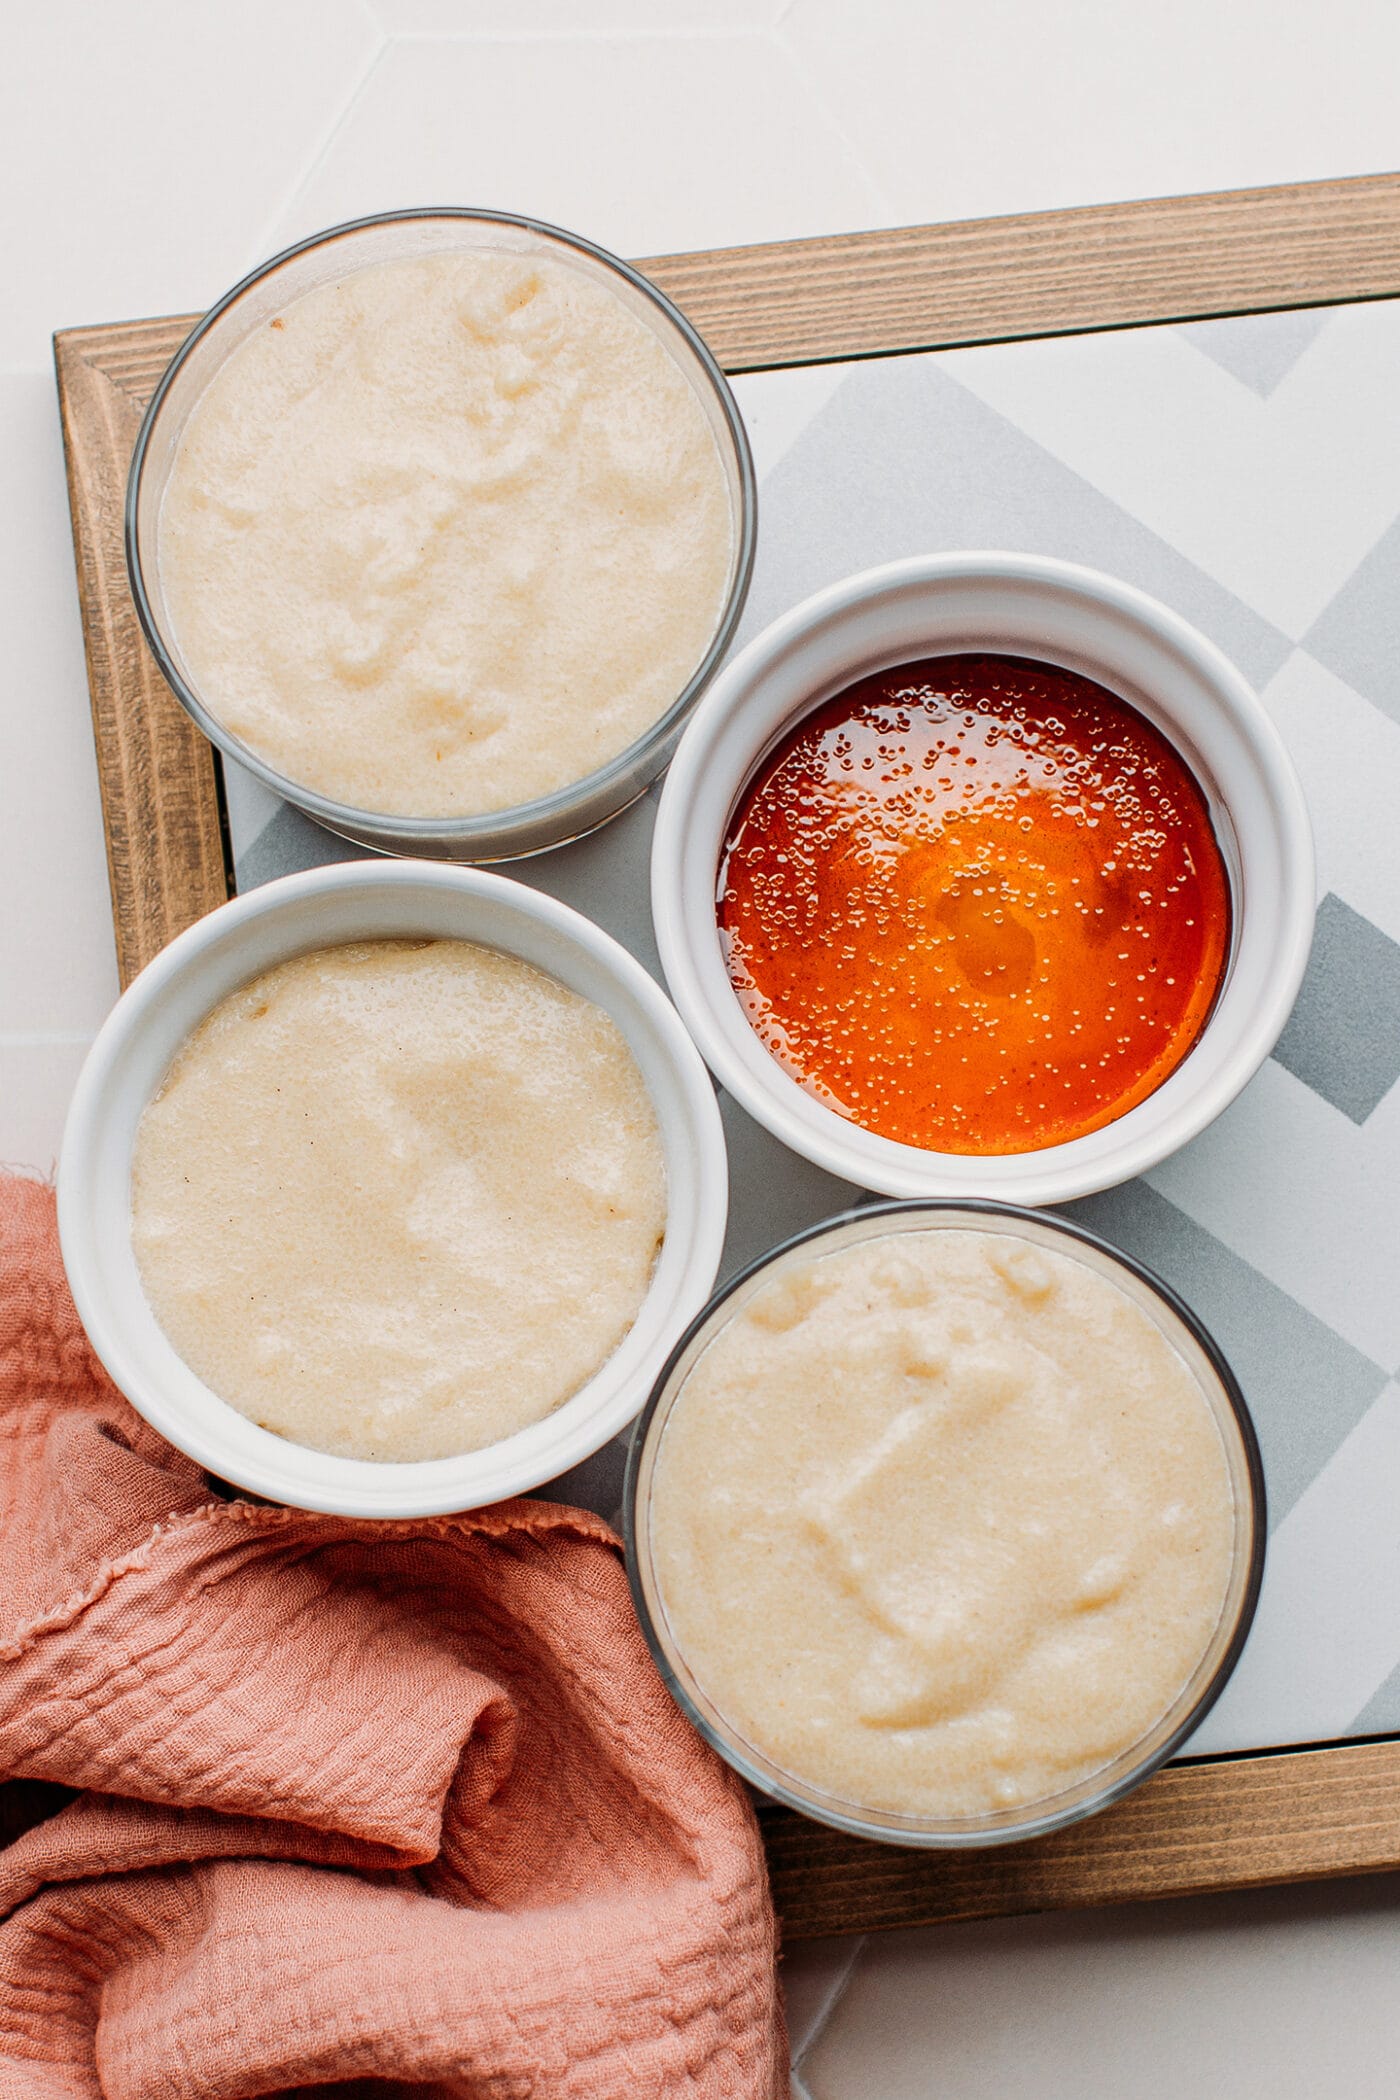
<point>358,1801</point>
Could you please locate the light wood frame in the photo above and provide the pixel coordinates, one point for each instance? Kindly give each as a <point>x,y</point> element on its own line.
<point>1209,1824</point>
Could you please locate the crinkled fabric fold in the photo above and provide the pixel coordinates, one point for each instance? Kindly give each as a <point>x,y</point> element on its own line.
<point>356,1801</point>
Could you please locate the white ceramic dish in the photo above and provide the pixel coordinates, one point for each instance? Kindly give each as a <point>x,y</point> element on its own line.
<point>128,1061</point>
<point>1025,605</point>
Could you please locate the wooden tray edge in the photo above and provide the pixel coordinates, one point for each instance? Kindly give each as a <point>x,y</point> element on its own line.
<point>1224,1823</point>
<point>1221,1823</point>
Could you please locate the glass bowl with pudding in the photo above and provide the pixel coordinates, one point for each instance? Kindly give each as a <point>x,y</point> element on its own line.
<point>387,1188</point>
<point>439,523</point>
<point>983,875</point>
<point>945,1523</point>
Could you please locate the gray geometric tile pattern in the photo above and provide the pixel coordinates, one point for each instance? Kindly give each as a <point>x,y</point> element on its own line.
<point>901,458</point>
<point>904,459</point>
<point>1381,1713</point>
<point>287,845</point>
<point>1305,1386</point>
<point>1358,634</point>
<point>1343,1036</point>
<point>1259,350</point>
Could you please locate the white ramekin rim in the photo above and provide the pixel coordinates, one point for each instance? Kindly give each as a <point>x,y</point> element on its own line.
<point>132,1052</point>
<point>1032,605</point>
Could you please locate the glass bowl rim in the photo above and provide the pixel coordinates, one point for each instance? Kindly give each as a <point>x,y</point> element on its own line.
<point>486,827</point>
<point>924,1832</point>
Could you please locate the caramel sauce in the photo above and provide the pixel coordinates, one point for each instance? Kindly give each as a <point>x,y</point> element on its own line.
<point>975,904</point>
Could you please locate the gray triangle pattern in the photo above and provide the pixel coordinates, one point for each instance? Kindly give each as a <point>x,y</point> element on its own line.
<point>1305,1386</point>
<point>287,844</point>
<point>903,459</point>
<point>1260,350</point>
<point>1381,1713</point>
<point>1358,634</point>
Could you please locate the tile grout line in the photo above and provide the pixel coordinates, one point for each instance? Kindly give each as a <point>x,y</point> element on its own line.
<point>828,2006</point>
<point>307,174</point>
<point>806,79</point>
<point>522,39</point>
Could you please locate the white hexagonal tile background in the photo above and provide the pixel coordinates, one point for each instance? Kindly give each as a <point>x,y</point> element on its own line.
<point>154,149</point>
<point>149,148</point>
<point>645,144</point>
<point>964,112</point>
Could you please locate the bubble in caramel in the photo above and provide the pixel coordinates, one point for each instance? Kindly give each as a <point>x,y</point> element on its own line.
<point>975,904</point>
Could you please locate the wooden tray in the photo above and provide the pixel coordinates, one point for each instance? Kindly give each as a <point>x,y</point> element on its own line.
<point>1211,1823</point>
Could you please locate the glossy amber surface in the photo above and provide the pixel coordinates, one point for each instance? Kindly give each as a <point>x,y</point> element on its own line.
<point>976,904</point>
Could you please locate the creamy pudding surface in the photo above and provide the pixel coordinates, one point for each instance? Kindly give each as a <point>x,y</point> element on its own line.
<point>397,1200</point>
<point>445,535</point>
<point>941,1522</point>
